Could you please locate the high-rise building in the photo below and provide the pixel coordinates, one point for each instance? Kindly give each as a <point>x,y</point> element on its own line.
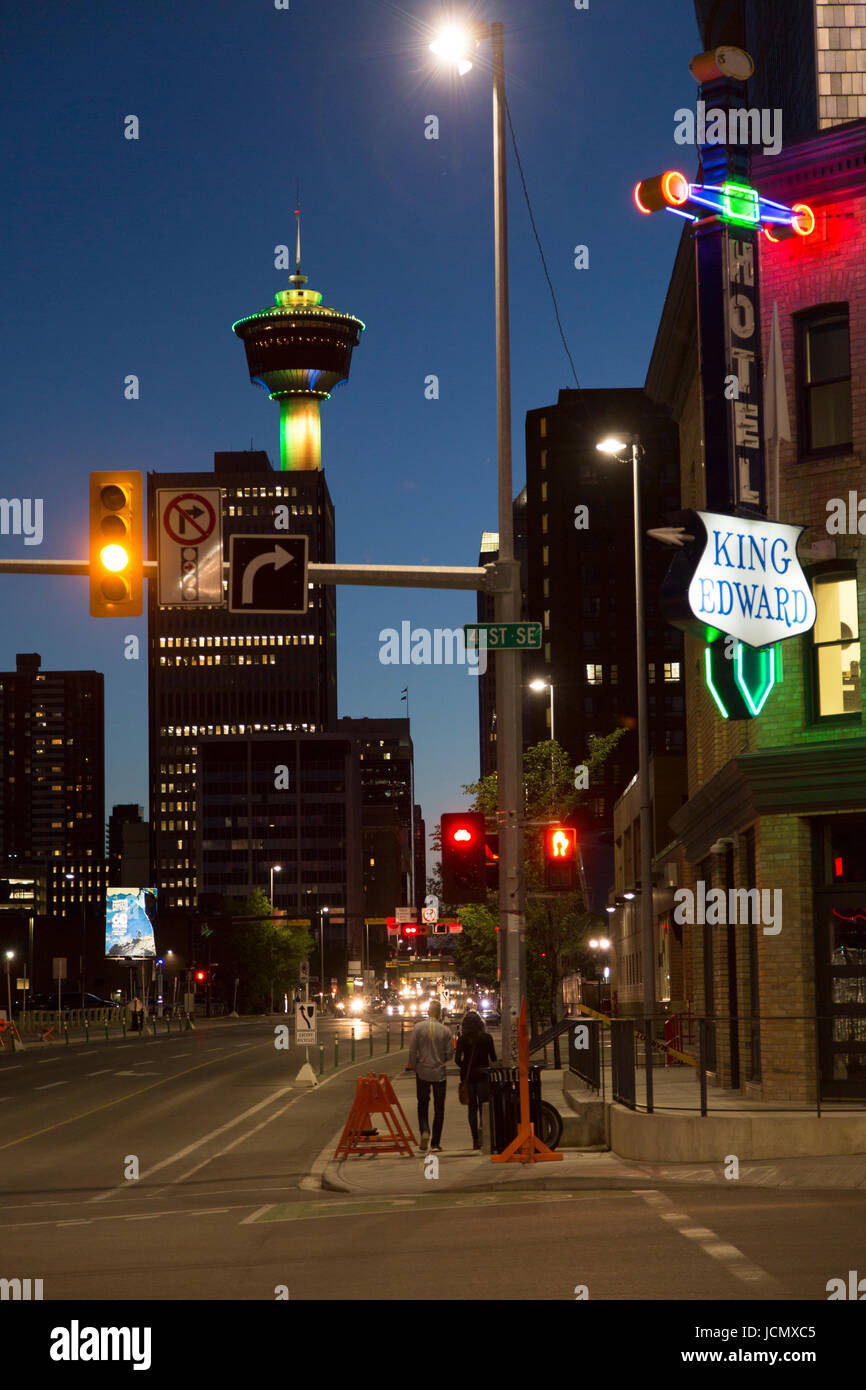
<point>581,580</point>
<point>215,674</point>
<point>385,759</point>
<point>52,770</point>
<point>808,57</point>
<point>128,847</point>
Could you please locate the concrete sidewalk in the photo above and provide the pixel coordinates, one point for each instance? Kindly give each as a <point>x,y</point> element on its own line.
<point>459,1168</point>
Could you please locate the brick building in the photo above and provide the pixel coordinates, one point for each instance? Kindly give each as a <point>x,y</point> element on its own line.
<point>777,803</point>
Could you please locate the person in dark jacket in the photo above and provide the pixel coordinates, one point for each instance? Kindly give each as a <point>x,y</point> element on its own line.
<point>475,1052</point>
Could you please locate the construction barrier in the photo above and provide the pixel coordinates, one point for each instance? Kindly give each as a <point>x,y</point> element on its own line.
<point>375,1096</point>
<point>525,1147</point>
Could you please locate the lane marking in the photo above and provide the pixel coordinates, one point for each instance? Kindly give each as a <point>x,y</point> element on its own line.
<point>46,1061</point>
<point>50,1084</point>
<point>104,1072</point>
<point>197,1143</point>
<point>735,1261</point>
<point>377,1206</point>
<point>119,1100</point>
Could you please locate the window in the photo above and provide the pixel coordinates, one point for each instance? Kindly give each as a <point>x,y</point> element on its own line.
<point>614,674</point>
<point>542,427</point>
<point>824,380</point>
<point>672,671</point>
<point>593,674</point>
<point>836,646</point>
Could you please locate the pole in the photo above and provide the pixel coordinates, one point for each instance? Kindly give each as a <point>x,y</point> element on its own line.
<point>9,988</point>
<point>507,607</point>
<point>646,887</point>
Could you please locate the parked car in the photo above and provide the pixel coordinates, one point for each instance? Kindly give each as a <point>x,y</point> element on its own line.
<point>70,999</point>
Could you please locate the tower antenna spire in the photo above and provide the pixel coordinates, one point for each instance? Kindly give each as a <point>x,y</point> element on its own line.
<point>298,279</point>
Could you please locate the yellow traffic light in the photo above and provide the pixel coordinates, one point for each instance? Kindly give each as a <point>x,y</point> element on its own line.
<point>115,545</point>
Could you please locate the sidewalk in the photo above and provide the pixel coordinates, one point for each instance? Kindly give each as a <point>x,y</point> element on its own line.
<point>462,1169</point>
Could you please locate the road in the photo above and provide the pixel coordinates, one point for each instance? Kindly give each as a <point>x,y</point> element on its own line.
<point>224,1206</point>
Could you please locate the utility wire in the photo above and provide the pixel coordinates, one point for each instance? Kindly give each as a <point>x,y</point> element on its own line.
<point>543,260</point>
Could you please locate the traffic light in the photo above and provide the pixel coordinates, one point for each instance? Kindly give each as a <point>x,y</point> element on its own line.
<point>463,857</point>
<point>560,855</point>
<point>201,977</point>
<point>115,545</point>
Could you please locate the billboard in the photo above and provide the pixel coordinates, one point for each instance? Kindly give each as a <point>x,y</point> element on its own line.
<point>130,918</point>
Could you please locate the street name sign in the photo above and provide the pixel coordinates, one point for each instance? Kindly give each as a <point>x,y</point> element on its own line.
<point>268,574</point>
<point>189,547</point>
<point>503,636</point>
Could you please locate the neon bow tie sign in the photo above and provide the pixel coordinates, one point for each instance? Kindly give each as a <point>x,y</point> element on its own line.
<point>731,202</point>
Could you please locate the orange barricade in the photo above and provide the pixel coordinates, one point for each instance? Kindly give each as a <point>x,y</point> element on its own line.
<point>375,1096</point>
<point>525,1147</point>
<point>8,1026</point>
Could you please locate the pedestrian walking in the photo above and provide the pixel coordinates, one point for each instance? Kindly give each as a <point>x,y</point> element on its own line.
<point>430,1048</point>
<point>475,1052</point>
<point>137,1015</point>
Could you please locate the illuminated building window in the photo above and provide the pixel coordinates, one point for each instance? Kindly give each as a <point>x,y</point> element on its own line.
<point>672,670</point>
<point>544,523</point>
<point>823,367</point>
<point>594,673</point>
<point>836,686</point>
<point>544,491</point>
<point>651,672</point>
<point>545,554</point>
<point>542,427</point>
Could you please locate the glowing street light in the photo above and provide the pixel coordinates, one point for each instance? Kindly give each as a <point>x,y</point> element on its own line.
<point>453,44</point>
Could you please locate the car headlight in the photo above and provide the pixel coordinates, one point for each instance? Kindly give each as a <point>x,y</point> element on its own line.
<point>390,1009</point>
<point>356,1005</point>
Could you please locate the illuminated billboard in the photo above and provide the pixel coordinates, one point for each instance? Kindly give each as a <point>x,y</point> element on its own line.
<point>130,918</point>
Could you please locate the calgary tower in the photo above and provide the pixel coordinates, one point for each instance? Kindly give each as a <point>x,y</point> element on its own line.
<point>299,351</point>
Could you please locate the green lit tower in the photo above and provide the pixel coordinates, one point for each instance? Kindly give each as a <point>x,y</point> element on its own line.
<point>299,350</point>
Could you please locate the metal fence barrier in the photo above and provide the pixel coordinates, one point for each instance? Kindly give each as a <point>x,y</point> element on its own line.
<point>584,1050</point>
<point>622,1061</point>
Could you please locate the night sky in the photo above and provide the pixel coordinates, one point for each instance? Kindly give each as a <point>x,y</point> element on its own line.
<point>137,256</point>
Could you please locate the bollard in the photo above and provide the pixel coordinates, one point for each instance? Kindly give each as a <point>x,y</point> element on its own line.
<point>402,1026</point>
<point>353,1044</point>
<point>321,1059</point>
<point>388,1038</point>
<point>336,1053</point>
<point>106,1030</point>
<point>123,1025</point>
<point>168,1026</point>
<point>66,1031</point>
<point>371,1040</point>
<point>86,1031</point>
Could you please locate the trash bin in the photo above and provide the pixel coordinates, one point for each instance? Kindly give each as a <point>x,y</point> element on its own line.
<point>505,1104</point>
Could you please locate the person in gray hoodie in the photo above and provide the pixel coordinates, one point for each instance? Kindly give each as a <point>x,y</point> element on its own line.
<point>430,1048</point>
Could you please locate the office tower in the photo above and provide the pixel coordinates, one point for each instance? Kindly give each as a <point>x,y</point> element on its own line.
<point>581,580</point>
<point>216,673</point>
<point>52,769</point>
<point>807,55</point>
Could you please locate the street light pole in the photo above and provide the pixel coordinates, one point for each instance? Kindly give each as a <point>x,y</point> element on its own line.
<point>646,883</point>
<point>615,446</point>
<point>509,730</point>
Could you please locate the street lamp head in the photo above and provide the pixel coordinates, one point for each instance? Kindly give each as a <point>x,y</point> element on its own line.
<point>604,944</point>
<point>629,895</point>
<point>9,955</point>
<point>610,908</point>
<point>453,44</point>
<point>593,943</point>
<point>538,685</point>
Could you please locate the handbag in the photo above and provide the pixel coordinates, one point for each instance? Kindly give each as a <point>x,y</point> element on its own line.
<point>463,1088</point>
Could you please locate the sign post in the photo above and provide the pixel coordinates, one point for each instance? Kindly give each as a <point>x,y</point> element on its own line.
<point>58,973</point>
<point>305,1033</point>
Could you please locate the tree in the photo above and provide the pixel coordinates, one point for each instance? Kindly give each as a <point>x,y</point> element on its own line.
<point>475,951</point>
<point>557,929</point>
<point>258,948</point>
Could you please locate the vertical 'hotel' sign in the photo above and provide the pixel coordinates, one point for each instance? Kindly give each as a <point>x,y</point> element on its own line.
<point>729,318</point>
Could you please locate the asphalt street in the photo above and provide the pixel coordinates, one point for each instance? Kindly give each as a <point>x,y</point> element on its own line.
<point>227,1204</point>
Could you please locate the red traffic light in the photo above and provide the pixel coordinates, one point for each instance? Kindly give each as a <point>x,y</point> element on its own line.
<point>463,857</point>
<point>410,931</point>
<point>560,856</point>
<point>201,975</point>
<point>560,844</point>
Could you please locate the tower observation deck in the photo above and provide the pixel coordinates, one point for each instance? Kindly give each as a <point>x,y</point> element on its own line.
<point>299,350</point>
